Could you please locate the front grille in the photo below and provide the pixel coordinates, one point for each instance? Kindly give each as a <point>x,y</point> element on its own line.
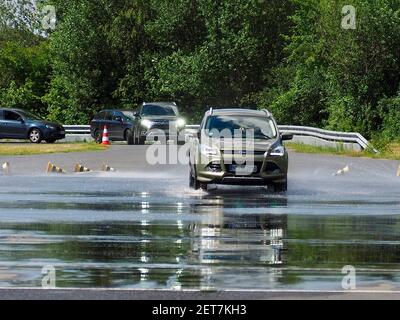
<point>160,121</point>
<point>243,181</point>
<point>160,124</point>
<point>244,152</point>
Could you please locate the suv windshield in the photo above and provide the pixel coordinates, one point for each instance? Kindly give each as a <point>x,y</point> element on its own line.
<point>263,128</point>
<point>154,110</point>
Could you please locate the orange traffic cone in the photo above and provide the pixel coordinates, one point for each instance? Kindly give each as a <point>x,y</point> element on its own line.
<point>106,139</point>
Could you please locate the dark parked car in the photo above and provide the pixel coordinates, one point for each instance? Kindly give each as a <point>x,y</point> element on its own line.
<point>119,125</point>
<point>20,124</point>
<point>155,120</point>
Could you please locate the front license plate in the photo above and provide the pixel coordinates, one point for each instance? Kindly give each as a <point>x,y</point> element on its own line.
<point>244,170</point>
<point>62,132</point>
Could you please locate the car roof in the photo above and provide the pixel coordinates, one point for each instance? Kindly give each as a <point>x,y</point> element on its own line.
<point>246,112</point>
<point>112,110</point>
<point>161,104</point>
<point>12,109</point>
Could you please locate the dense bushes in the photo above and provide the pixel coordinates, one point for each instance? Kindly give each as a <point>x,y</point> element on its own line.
<point>290,56</point>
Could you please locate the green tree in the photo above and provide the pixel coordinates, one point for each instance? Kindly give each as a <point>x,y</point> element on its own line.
<point>219,53</point>
<point>195,52</point>
<point>96,61</point>
<point>24,60</point>
<point>340,76</point>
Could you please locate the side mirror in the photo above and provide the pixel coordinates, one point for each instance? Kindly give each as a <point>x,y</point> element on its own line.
<point>136,114</point>
<point>287,137</point>
<point>198,134</point>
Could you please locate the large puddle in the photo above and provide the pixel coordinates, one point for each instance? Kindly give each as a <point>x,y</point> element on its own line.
<point>127,233</point>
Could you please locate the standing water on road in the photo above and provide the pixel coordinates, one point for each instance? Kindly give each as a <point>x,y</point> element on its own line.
<point>120,232</point>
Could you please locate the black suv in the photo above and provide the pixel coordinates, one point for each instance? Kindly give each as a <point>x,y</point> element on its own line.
<point>20,124</point>
<point>119,125</point>
<point>157,121</point>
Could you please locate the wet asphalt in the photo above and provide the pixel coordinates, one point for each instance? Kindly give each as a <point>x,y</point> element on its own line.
<point>142,228</point>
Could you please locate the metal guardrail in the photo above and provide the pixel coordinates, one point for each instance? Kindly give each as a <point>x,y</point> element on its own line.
<point>340,137</point>
<point>77,129</point>
<point>335,136</point>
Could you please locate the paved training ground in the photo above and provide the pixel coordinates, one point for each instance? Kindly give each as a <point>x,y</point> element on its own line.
<point>141,228</point>
<point>115,294</point>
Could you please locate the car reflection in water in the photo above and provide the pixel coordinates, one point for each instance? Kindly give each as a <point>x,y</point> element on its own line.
<point>202,252</point>
<point>203,241</point>
<point>256,238</point>
<point>228,238</point>
<point>227,241</point>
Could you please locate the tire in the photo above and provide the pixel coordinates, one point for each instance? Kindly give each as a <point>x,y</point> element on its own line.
<point>203,186</point>
<point>134,138</point>
<point>97,136</point>
<point>50,141</point>
<point>281,187</point>
<point>141,141</point>
<point>193,182</point>
<point>129,137</point>
<point>35,136</point>
<point>196,184</point>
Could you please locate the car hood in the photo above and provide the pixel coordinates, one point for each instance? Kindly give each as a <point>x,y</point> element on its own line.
<point>46,123</point>
<point>239,144</point>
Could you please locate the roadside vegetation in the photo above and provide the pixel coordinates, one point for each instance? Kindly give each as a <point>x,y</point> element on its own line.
<point>391,151</point>
<point>291,56</point>
<point>18,149</point>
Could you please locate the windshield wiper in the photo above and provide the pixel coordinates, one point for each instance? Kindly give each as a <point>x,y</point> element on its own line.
<point>263,136</point>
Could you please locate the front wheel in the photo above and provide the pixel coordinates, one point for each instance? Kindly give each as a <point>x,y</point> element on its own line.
<point>203,186</point>
<point>97,136</point>
<point>281,187</point>
<point>129,137</point>
<point>196,184</point>
<point>193,182</point>
<point>141,141</point>
<point>35,136</point>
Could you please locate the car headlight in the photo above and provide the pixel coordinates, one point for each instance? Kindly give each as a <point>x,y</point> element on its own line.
<point>180,123</point>
<point>278,152</point>
<point>208,151</point>
<point>50,127</point>
<point>146,123</point>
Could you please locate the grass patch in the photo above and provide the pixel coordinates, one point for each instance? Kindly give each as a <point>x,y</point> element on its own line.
<point>391,152</point>
<point>12,149</point>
